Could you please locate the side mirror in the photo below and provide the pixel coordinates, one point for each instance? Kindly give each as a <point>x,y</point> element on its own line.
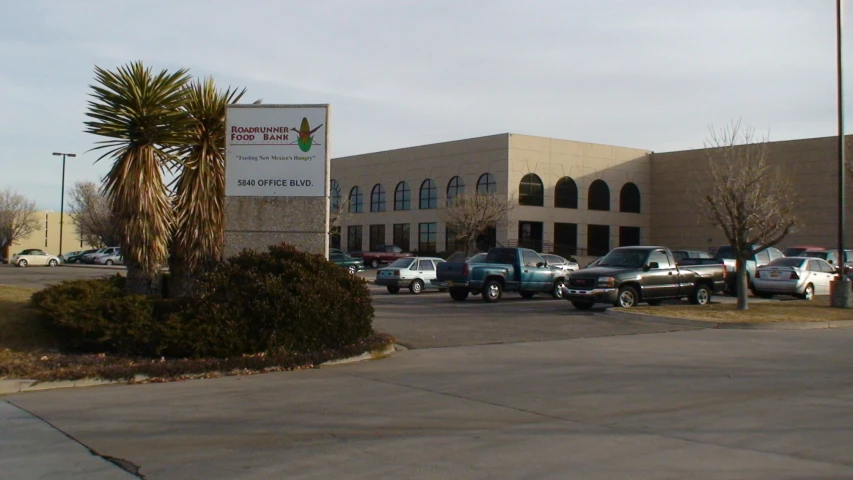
<point>653,265</point>
<point>540,264</point>
<point>829,261</point>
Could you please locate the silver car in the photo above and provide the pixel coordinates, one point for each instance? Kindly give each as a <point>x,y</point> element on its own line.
<point>802,277</point>
<point>559,263</point>
<point>114,258</point>
<point>414,273</point>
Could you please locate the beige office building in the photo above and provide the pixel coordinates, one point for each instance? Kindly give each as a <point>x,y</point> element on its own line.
<point>47,236</point>
<point>572,197</point>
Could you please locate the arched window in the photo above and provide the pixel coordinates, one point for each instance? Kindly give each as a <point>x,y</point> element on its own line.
<point>455,187</point>
<point>530,191</point>
<point>334,196</point>
<point>402,197</point>
<point>629,198</point>
<point>599,196</point>
<point>486,183</point>
<point>356,200</point>
<point>566,193</point>
<point>377,198</point>
<point>429,195</point>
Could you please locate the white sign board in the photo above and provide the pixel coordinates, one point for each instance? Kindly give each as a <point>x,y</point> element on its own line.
<point>276,150</point>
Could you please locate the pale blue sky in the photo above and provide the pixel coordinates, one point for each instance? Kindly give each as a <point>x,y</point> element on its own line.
<point>647,74</point>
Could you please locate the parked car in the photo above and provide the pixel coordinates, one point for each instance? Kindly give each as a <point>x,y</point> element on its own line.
<point>629,275</point>
<point>353,265</point>
<point>593,263</point>
<point>115,258</point>
<point>34,257</point>
<point>415,273</point>
<point>90,257</point>
<point>384,254</point>
<point>558,262</point>
<point>503,270</point>
<point>65,256</point>
<point>803,277</point>
<point>727,255</point>
<point>831,257</point>
<point>477,258</point>
<point>78,256</point>
<point>682,254</point>
<point>335,250</point>
<point>798,250</point>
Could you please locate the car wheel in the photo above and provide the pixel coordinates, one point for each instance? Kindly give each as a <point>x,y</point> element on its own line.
<point>582,305</point>
<point>109,262</point>
<point>626,298</point>
<point>22,263</point>
<point>557,291</point>
<point>52,263</point>
<point>416,287</point>
<point>374,263</point>
<point>393,289</point>
<point>654,303</point>
<point>527,294</point>
<point>808,292</point>
<point>493,291</point>
<point>352,269</point>
<point>459,294</point>
<point>701,295</point>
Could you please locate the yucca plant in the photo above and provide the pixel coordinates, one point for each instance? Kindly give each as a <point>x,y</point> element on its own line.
<point>200,187</point>
<point>140,114</point>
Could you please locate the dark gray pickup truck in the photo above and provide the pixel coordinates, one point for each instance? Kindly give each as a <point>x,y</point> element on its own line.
<point>629,275</point>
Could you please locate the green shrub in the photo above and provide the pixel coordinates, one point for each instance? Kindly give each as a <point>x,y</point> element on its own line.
<point>275,301</point>
<point>96,315</point>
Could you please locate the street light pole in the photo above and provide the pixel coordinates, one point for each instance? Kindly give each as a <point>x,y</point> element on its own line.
<point>62,205</point>
<point>843,294</point>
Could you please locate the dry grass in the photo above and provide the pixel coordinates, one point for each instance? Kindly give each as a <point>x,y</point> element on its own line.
<point>19,325</point>
<point>817,310</point>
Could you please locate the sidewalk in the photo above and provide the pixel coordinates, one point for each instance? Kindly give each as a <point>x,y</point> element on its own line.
<point>31,448</point>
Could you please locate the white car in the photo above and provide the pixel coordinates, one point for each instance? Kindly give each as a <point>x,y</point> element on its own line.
<point>802,277</point>
<point>34,256</point>
<point>110,259</point>
<point>414,273</point>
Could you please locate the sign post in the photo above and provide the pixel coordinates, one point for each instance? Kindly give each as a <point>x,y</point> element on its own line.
<point>277,177</point>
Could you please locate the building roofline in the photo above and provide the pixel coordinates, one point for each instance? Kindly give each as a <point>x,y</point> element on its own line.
<point>771,142</point>
<point>422,146</point>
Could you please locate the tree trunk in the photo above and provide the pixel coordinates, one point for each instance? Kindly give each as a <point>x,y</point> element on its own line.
<point>468,242</point>
<point>181,281</point>
<point>742,284</point>
<point>138,282</point>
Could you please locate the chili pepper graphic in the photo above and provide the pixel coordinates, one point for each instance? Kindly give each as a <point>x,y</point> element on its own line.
<point>306,135</point>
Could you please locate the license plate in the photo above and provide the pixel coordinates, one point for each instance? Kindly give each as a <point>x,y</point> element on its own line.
<point>449,283</point>
<point>384,274</point>
<point>774,274</point>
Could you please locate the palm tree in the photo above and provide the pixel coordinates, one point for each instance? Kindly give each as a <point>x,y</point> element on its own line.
<point>139,113</point>
<point>200,187</point>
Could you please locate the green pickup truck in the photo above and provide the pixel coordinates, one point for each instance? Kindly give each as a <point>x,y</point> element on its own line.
<point>503,270</point>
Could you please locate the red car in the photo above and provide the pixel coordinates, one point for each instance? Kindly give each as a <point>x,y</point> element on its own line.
<point>384,254</point>
<point>798,250</point>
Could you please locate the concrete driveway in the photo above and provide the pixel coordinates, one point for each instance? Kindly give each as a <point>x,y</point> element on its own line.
<point>709,404</point>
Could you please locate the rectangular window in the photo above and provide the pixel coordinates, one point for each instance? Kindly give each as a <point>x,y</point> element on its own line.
<point>335,238</point>
<point>401,236</point>
<point>426,237</point>
<point>354,238</point>
<point>566,239</point>
<point>629,236</point>
<point>598,240</point>
<point>377,236</point>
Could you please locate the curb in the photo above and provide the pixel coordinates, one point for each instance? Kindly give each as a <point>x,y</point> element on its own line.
<point>25,385</point>
<point>730,326</point>
<point>91,266</point>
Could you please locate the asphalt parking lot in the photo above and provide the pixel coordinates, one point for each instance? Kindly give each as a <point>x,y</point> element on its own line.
<point>40,277</point>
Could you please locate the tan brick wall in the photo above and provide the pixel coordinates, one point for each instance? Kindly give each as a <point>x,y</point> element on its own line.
<point>677,178</point>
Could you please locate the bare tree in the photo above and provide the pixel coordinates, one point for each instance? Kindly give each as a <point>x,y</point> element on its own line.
<point>751,201</point>
<point>90,211</point>
<point>17,219</point>
<point>338,214</point>
<point>469,215</point>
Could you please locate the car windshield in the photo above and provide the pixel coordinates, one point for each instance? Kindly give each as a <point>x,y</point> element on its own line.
<point>402,263</point>
<point>478,258</point>
<point>793,251</point>
<point>626,258</point>
<point>786,262</point>
<point>822,255</point>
